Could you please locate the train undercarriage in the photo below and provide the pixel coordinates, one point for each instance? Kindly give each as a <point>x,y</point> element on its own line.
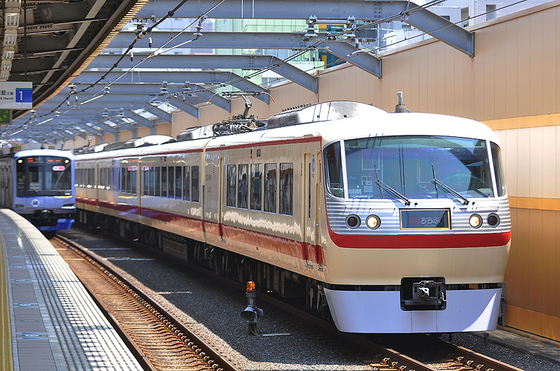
<point>299,290</point>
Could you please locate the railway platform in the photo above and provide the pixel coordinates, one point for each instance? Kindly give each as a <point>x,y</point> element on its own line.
<point>48,320</point>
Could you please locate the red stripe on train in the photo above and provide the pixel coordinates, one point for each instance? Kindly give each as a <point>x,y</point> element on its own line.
<point>419,241</point>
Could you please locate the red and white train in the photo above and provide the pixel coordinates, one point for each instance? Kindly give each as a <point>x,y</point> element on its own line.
<point>390,222</point>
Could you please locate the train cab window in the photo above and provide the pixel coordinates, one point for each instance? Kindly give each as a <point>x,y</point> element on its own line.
<point>187,183</point>
<point>498,169</point>
<point>333,169</point>
<point>286,188</point>
<point>151,187</point>
<point>157,182</point>
<point>35,178</point>
<point>178,177</point>
<point>270,188</point>
<point>195,193</point>
<point>171,181</point>
<point>256,187</point>
<point>242,186</point>
<point>231,185</point>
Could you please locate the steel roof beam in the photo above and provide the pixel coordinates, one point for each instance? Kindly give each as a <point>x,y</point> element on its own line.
<point>365,10</point>
<point>183,106</point>
<point>130,89</point>
<point>142,120</point>
<point>256,40</point>
<point>196,77</point>
<point>159,113</point>
<point>244,62</point>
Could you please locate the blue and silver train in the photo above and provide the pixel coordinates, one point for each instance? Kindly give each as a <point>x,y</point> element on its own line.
<point>38,184</point>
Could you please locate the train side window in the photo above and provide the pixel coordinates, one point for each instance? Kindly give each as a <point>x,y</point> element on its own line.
<point>126,172</point>
<point>270,188</point>
<point>158,181</point>
<point>333,169</point>
<point>231,185</point>
<point>171,181</point>
<point>178,177</point>
<point>286,188</point>
<point>256,186</point>
<point>187,183</point>
<point>122,187</point>
<point>133,179</point>
<point>112,179</point>
<point>242,186</point>
<point>195,182</point>
<point>146,177</point>
<point>164,181</point>
<point>151,187</point>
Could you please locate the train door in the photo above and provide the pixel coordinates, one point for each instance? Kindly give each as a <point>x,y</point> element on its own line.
<point>310,205</point>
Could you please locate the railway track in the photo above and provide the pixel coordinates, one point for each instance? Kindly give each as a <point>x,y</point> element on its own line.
<point>393,357</point>
<point>156,337</point>
<point>386,357</point>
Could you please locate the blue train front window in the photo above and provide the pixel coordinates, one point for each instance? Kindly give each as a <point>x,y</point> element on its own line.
<point>409,165</point>
<point>44,176</point>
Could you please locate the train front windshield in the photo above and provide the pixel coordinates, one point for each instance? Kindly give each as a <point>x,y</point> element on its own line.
<point>416,167</point>
<point>44,176</point>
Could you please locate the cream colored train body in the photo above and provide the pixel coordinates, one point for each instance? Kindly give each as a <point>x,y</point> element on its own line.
<point>397,223</point>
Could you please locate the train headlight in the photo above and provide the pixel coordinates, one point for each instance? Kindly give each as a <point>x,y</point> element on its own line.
<point>353,221</point>
<point>475,221</point>
<point>373,222</point>
<point>493,220</point>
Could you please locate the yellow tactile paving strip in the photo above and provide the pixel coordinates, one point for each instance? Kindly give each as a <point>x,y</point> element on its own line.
<point>6,362</point>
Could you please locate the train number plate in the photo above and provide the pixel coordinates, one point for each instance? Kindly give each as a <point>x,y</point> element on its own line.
<point>425,219</point>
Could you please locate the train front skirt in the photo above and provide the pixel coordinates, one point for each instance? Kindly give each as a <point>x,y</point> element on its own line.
<point>380,312</point>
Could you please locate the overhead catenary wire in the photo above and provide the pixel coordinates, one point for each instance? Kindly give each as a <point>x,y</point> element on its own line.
<point>260,71</point>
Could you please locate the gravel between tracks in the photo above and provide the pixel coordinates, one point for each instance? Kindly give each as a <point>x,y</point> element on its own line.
<point>213,313</point>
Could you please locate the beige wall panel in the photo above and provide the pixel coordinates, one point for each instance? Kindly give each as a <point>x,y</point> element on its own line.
<point>550,60</point>
<point>500,71</point>
<point>534,300</point>
<point>557,164</point>
<point>143,131</point>
<point>523,163</point>
<point>523,247</point>
<point>536,71</point>
<point>550,282</point>
<point>512,269</point>
<point>523,73</point>
<point>511,69</point>
<point>444,86</point>
<point>549,152</point>
<point>535,155</point>
<point>487,65</point>
<point>164,129</point>
<point>551,327</point>
<point>556,260</point>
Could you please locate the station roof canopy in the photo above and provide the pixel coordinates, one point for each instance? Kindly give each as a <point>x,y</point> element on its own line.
<point>103,66</point>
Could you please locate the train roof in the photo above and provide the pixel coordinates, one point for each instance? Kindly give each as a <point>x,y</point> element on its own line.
<point>330,121</point>
<point>44,152</point>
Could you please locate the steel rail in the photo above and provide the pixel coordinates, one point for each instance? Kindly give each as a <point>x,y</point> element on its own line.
<point>207,354</point>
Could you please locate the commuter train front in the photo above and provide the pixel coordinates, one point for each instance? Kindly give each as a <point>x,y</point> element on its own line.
<point>38,184</point>
<point>419,223</point>
<point>397,223</point>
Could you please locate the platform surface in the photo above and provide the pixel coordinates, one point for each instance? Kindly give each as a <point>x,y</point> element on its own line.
<point>52,322</point>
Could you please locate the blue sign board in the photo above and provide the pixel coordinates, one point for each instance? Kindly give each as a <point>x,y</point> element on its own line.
<point>24,95</point>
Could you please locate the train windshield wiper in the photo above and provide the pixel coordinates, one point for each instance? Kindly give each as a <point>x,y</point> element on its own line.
<point>395,193</point>
<point>446,188</point>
